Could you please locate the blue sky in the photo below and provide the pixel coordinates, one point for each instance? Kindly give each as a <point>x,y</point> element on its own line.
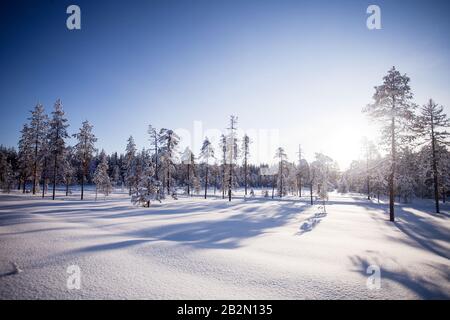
<point>292,71</point>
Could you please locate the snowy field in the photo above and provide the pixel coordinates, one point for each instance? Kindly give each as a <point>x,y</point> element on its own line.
<point>193,248</point>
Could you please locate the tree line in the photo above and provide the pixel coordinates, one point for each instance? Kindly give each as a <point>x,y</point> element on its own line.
<point>416,162</point>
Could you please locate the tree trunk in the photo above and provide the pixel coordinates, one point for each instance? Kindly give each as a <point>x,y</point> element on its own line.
<point>391,176</point>
<point>245,175</point>
<point>281,179</point>
<point>230,182</point>
<point>206,180</point>
<point>24,185</point>
<point>44,177</point>
<point>435,173</point>
<point>273,185</point>
<point>188,180</point>
<point>300,186</point>
<point>311,192</point>
<point>82,186</point>
<point>168,181</point>
<point>55,172</point>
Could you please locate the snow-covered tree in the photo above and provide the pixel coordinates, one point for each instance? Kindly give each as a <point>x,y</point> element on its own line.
<point>431,126</point>
<point>148,186</point>
<point>6,173</point>
<point>245,155</point>
<point>393,109</point>
<point>67,171</point>
<point>37,134</point>
<point>25,156</point>
<point>223,148</point>
<point>130,164</point>
<point>84,150</point>
<point>57,134</point>
<point>281,156</point>
<point>101,177</point>
<point>407,170</point>
<point>154,142</point>
<point>168,141</point>
<point>206,153</point>
<point>231,152</point>
<point>369,152</point>
<point>187,159</point>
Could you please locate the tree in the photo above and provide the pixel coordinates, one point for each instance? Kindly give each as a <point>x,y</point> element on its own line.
<point>369,151</point>
<point>84,150</point>
<point>154,142</point>
<point>231,151</point>
<point>430,126</point>
<point>281,156</point>
<point>206,153</point>
<point>57,135</point>
<point>6,173</point>
<point>130,165</point>
<point>169,141</point>
<point>393,108</point>
<point>245,153</point>
<point>187,159</point>
<point>67,168</point>
<point>223,146</point>
<point>101,177</point>
<point>25,156</point>
<point>147,187</point>
<point>37,133</point>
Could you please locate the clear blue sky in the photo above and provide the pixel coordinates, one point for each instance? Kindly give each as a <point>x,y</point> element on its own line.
<point>302,68</point>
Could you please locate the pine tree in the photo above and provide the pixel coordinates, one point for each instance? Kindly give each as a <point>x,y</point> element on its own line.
<point>187,158</point>
<point>84,150</point>
<point>37,130</point>
<point>67,168</point>
<point>245,153</point>
<point>154,142</point>
<point>101,177</point>
<point>282,157</point>
<point>430,126</point>
<point>231,152</point>
<point>25,155</point>
<point>57,134</point>
<point>223,146</point>
<point>369,151</point>
<point>393,108</point>
<point>6,173</point>
<point>168,141</point>
<point>130,164</point>
<point>148,186</point>
<point>206,153</point>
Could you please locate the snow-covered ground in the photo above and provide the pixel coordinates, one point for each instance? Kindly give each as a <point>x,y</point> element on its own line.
<point>211,249</point>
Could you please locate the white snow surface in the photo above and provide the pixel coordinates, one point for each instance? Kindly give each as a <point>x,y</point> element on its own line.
<point>192,248</point>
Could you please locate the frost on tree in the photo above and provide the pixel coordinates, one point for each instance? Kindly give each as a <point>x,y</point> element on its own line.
<point>148,187</point>
<point>101,177</point>
<point>430,127</point>
<point>57,133</point>
<point>206,153</point>
<point>231,154</point>
<point>84,149</point>
<point>130,164</point>
<point>393,109</point>
<point>168,141</point>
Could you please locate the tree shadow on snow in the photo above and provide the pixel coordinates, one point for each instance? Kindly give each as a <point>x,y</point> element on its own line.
<point>225,233</point>
<point>425,286</point>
